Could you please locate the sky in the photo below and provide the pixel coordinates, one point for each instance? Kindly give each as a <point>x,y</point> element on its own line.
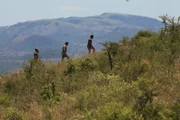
<point>14,11</point>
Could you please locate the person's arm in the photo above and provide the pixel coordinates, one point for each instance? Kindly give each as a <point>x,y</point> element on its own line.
<point>90,42</point>
<point>64,49</point>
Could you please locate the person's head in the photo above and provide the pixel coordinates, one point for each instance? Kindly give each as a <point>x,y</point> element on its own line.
<point>92,36</point>
<point>66,43</point>
<point>36,49</point>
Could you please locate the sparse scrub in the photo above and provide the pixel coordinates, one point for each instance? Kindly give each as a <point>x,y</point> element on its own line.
<point>137,80</point>
<point>12,114</point>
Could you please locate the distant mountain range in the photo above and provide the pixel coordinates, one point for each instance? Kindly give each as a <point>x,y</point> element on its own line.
<point>18,41</point>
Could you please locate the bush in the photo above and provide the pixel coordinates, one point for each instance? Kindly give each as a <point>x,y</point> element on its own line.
<point>175,112</point>
<point>12,114</point>
<point>144,33</point>
<point>111,111</point>
<point>152,112</point>
<point>10,87</point>
<point>4,100</point>
<point>88,64</point>
<point>71,68</point>
<point>48,96</point>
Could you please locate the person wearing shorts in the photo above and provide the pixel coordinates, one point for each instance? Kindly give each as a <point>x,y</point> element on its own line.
<point>64,51</point>
<point>36,54</point>
<point>89,45</point>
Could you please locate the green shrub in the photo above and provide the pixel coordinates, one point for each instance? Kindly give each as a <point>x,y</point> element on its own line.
<point>88,64</point>
<point>12,114</point>
<point>71,68</point>
<point>111,111</point>
<point>174,113</point>
<point>33,68</point>
<point>144,33</point>
<point>152,112</point>
<point>4,100</point>
<point>49,97</point>
<point>10,87</point>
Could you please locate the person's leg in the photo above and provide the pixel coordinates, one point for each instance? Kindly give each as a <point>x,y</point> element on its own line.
<point>93,49</point>
<point>67,56</point>
<point>89,50</point>
<point>62,57</point>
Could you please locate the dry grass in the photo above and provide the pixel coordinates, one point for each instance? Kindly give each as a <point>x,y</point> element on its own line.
<point>34,112</point>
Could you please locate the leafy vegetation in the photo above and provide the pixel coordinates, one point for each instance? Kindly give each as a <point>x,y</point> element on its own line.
<point>133,79</point>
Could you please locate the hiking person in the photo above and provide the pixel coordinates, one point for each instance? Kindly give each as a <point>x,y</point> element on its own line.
<point>36,54</point>
<point>89,45</point>
<point>64,51</point>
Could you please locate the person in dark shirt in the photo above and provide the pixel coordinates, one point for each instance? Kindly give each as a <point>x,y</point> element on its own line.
<point>36,54</point>
<point>64,51</point>
<point>89,45</point>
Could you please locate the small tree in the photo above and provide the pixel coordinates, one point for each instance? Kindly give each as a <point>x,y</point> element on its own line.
<point>111,49</point>
<point>164,21</point>
<point>171,41</point>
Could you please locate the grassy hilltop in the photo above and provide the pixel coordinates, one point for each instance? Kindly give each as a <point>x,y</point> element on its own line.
<point>142,85</point>
<point>17,42</point>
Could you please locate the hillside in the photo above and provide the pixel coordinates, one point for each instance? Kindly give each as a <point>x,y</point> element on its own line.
<point>138,85</point>
<point>52,33</point>
<point>17,42</point>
